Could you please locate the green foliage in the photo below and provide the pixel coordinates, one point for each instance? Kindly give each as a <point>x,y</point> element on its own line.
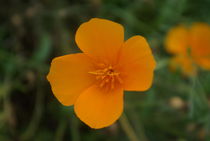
<point>32,33</point>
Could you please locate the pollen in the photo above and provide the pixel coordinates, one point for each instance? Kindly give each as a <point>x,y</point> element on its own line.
<point>107,77</point>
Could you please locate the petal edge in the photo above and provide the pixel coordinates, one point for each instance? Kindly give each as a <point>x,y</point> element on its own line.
<point>68,78</point>
<point>98,108</point>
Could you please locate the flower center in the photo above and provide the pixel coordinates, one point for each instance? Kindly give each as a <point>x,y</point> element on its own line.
<point>107,77</point>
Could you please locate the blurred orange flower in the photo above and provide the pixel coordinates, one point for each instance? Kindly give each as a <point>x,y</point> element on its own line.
<point>93,81</point>
<point>191,47</point>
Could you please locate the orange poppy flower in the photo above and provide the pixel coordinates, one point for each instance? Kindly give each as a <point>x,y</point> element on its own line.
<point>191,47</point>
<point>93,81</point>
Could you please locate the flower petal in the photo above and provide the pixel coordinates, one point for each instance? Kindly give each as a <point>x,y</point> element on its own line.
<point>185,64</point>
<point>100,38</point>
<point>69,76</point>
<point>200,42</point>
<point>136,64</point>
<point>177,40</point>
<point>99,108</point>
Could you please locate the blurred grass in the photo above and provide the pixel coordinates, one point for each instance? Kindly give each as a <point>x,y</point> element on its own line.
<point>34,32</point>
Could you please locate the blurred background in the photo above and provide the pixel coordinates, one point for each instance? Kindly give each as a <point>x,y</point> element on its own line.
<point>33,32</point>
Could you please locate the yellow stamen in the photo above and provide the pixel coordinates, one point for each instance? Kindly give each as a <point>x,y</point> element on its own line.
<point>107,77</point>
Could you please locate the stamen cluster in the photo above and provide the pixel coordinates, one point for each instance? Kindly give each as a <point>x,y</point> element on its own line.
<point>107,77</point>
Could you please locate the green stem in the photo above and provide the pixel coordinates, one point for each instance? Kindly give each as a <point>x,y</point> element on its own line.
<point>191,103</point>
<point>139,127</point>
<point>36,117</point>
<point>60,130</point>
<point>8,107</point>
<point>128,128</point>
<point>74,129</point>
<point>162,64</point>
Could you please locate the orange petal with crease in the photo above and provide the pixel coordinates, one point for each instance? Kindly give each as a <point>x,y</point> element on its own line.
<point>98,108</point>
<point>69,78</point>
